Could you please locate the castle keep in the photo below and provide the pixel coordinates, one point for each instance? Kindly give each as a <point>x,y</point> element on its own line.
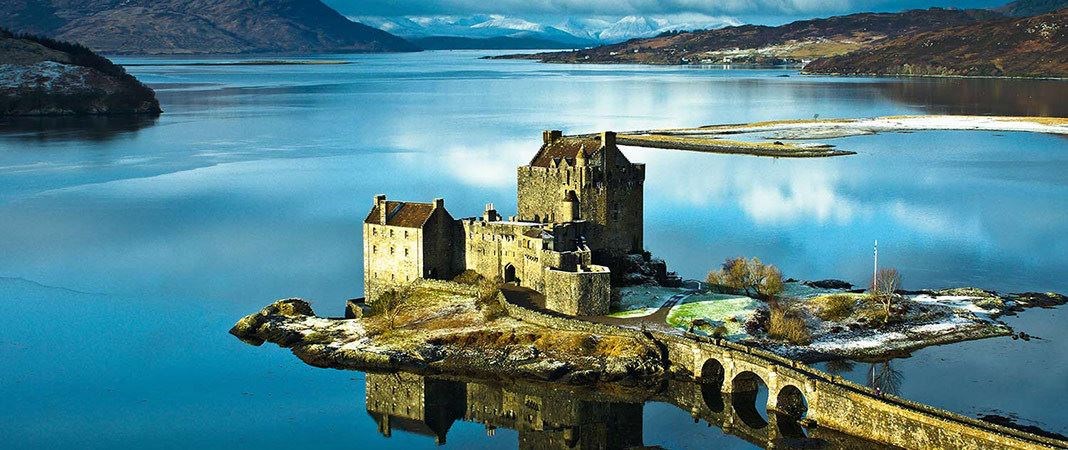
<point>580,215</point>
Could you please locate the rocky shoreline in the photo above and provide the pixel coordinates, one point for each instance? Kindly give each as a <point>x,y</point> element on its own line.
<point>500,348</point>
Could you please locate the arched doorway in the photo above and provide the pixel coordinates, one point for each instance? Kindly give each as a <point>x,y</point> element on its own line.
<point>749,397</point>
<point>509,274</point>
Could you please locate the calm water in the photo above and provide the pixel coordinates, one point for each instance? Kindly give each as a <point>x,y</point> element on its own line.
<point>130,247</point>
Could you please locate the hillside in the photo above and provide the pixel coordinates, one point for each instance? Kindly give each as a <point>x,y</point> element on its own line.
<point>766,45</point>
<point>1029,47</point>
<point>45,77</point>
<point>198,26</point>
<point>1027,8</point>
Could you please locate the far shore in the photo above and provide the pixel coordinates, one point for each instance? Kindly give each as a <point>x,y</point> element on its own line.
<point>245,63</point>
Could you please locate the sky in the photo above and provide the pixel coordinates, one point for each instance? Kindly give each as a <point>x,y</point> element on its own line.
<point>769,12</point>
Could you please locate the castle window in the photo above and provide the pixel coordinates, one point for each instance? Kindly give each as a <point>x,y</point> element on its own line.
<point>374,231</point>
<point>374,249</point>
<point>406,234</point>
<point>390,233</point>
<point>405,252</point>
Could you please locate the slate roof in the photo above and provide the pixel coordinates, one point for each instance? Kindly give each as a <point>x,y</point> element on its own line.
<point>403,214</point>
<point>563,149</point>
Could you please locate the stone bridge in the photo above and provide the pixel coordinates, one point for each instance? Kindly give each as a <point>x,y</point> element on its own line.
<point>795,392</point>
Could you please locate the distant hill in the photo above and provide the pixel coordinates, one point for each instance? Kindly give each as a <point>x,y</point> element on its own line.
<point>764,45</point>
<point>492,43</point>
<point>1028,47</point>
<point>41,76</point>
<point>198,26</point>
<point>1027,8</point>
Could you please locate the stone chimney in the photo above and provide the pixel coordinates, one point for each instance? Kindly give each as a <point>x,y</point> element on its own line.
<point>550,136</point>
<point>608,138</point>
<point>380,203</point>
<point>490,214</point>
<point>439,203</point>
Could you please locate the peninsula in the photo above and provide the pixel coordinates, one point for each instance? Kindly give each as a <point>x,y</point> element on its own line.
<point>44,77</point>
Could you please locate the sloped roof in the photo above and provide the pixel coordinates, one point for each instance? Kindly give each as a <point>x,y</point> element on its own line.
<point>563,149</point>
<point>403,214</point>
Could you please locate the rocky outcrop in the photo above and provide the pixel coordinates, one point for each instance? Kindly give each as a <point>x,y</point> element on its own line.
<point>502,348</point>
<point>42,77</point>
<point>198,26</point>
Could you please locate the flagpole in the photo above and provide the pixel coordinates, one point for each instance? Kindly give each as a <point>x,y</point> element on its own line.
<point>875,270</point>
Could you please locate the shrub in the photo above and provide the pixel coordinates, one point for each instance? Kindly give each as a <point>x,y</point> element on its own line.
<point>789,326</point>
<point>720,332</point>
<point>749,276</point>
<point>837,307</point>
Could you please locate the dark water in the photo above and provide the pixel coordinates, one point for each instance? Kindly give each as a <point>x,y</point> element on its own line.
<point>131,246</point>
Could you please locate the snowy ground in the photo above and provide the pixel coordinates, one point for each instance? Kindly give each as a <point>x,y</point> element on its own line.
<point>805,129</point>
<point>639,301</point>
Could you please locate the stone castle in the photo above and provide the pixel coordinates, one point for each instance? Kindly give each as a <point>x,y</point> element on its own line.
<point>579,219</point>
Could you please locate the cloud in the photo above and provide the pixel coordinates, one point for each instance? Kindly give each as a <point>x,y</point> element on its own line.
<point>616,8</point>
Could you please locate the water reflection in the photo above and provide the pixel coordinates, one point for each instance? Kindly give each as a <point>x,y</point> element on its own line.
<point>547,416</point>
<point>81,128</point>
<point>980,96</point>
<point>882,377</point>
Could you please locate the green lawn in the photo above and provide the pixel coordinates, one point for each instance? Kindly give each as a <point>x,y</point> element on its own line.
<point>717,308</point>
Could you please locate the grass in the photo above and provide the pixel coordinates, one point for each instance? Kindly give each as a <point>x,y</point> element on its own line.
<point>835,307</point>
<point>549,341</point>
<point>714,308</point>
<point>788,325</point>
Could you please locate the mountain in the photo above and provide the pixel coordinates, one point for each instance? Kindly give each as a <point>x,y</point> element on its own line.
<point>758,44</point>
<point>45,77</point>
<point>492,43</point>
<point>434,32</point>
<point>198,26</point>
<point>1027,8</point>
<point>1028,47</point>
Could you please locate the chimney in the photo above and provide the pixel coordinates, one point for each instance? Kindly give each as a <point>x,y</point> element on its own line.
<point>608,138</point>
<point>380,203</point>
<point>439,203</point>
<point>550,136</point>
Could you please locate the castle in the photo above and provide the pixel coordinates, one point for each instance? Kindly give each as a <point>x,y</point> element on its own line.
<point>580,216</point>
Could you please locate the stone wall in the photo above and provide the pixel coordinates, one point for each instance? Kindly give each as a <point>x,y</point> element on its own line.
<point>392,257</point>
<point>583,293</point>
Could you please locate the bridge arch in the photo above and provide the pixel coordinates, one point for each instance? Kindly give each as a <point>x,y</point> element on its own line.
<point>791,402</point>
<point>712,373</point>
<point>749,399</point>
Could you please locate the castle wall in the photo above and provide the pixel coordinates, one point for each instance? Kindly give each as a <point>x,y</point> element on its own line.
<point>392,256</point>
<point>585,293</point>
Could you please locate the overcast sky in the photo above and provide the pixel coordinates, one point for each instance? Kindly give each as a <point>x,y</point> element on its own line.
<point>751,11</point>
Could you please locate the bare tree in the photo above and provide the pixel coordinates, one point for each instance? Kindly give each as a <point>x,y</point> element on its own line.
<point>390,303</point>
<point>750,276</point>
<point>887,282</point>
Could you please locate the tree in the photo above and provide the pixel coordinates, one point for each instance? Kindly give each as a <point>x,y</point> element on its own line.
<point>750,276</point>
<point>390,303</point>
<point>887,282</point>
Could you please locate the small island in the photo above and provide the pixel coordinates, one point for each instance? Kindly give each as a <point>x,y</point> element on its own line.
<point>564,292</point>
<point>44,77</point>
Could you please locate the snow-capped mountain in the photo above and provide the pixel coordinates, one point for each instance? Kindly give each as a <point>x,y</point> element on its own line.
<point>579,31</point>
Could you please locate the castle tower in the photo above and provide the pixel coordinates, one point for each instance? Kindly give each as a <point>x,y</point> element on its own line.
<point>586,179</point>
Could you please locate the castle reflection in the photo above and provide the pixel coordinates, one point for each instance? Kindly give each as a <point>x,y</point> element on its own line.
<point>548,416</point>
